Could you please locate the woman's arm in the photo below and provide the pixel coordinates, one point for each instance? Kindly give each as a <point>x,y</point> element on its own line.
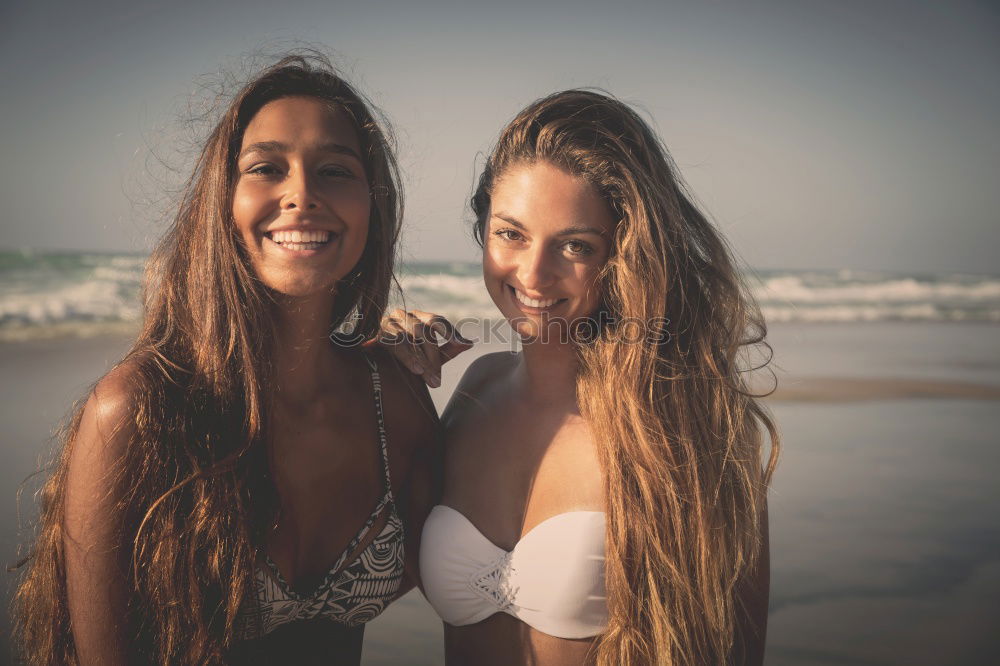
<point>422,493</point>
<point>95,551</point>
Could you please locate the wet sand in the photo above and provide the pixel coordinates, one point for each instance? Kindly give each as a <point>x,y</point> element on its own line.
<point>885,540</point>
<point>841,389</point>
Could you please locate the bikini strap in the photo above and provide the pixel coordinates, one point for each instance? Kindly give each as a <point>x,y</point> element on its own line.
<point>377,390</point>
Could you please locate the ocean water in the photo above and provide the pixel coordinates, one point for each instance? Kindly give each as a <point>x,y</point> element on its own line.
<point>82,294</point>
<point>884,530</point>
<point>46,295</point>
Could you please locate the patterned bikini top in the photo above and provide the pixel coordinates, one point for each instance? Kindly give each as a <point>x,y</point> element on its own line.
<point>350,595</point>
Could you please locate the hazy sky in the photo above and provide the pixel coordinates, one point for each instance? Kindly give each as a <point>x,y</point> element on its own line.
<point>817,134</point>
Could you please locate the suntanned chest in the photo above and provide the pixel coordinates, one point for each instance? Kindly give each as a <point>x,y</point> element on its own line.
<point>512,463</point>
<point>327,466</point>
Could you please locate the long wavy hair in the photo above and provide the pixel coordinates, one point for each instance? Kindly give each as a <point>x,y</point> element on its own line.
<point>680,443</point>
<point>197,494</point>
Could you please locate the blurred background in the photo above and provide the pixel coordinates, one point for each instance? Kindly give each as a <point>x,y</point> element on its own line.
<point>849,152</point>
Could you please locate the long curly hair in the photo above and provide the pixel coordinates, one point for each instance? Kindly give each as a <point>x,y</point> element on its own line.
<point>677,426</point>
<point>197,493</point>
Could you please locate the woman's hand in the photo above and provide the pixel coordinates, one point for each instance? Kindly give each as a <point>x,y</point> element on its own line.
<point>422,341</point>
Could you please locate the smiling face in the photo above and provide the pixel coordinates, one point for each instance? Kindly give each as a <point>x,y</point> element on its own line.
<point>547,237</point>
<point>301,203</point>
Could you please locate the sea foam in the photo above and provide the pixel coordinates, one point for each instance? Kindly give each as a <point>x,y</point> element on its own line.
<point>55,294</point>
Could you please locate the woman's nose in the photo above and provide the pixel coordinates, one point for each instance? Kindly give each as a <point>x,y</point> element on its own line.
<point>536,270</point>
<point>299,193</point>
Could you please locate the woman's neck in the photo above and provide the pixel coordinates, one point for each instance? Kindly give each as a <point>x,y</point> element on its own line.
<point>302,348</point>
<point>547,372</point>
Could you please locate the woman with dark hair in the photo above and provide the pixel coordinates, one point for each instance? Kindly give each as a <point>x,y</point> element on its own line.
<point>604,490</point>
<point>239,487</point>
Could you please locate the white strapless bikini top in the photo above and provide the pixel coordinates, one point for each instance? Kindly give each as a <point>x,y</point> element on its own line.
<point>553,580</point>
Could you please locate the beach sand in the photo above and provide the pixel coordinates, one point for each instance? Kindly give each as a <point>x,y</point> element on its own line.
<point>884,536</point>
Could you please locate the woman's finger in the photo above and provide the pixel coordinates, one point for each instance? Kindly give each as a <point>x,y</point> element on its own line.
<point>424,337</point>
<point>400,344</point>
<point>451,341</point>
<point>441,327</point>
<point>445,330</point>
<point>453,348</point>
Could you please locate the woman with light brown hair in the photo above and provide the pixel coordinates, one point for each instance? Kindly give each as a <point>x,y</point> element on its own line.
<point>604,489</point>
<point>240,488</point>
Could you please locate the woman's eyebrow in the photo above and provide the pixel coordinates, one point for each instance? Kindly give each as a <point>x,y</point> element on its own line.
<point>509,219</point>
<point>264,147</point>
<point>340,149</point>
<point>279,147</point>
<point>568,231</point>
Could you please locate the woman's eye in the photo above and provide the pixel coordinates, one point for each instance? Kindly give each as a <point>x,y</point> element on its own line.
<point>578,247</point>
<point>507,234</point>
<point>336,171</point>
<point>262,170</point>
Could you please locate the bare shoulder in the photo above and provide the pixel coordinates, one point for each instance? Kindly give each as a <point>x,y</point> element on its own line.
<point>107,423</point>
<point>487,367</point>
<point>480,374</point>
<point>409,410</point>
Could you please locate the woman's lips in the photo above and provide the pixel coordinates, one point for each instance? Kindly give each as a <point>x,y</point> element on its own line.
<point>534,305</point>
<point>302,243</point>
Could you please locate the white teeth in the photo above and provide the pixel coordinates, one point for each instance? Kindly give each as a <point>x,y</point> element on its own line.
<point>534,303</point>
<point>288,238</point>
